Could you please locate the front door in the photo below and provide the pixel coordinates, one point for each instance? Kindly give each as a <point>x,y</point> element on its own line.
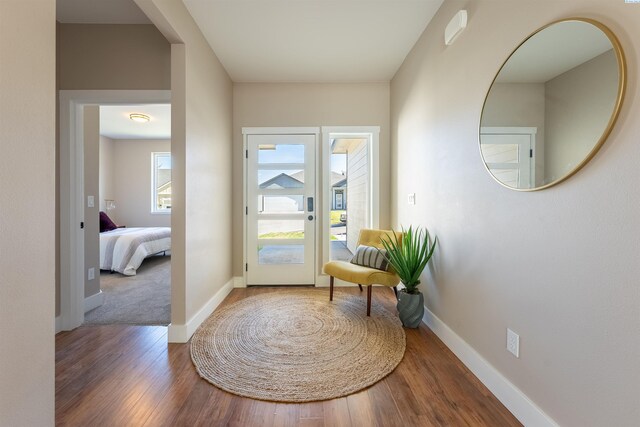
<point>281,209</point>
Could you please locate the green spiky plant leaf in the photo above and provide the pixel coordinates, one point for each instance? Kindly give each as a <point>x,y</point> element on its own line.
<point>410,255</point>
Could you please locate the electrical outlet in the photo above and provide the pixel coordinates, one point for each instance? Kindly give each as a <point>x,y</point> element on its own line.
<point>412,198</point>
<point>90,201</point>
<point>513,342</point>
<point>91,274</point>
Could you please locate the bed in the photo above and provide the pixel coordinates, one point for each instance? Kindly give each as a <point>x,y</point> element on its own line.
<point>124,249</point>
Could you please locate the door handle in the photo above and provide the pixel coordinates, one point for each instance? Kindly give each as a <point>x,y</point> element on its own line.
<point>309,204</point>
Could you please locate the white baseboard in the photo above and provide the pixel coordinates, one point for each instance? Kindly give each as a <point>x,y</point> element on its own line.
<point>182,333</point>
<point>511,396</point>
<point>58,324</point>
<point>238,282</point>
<point>94,301</point>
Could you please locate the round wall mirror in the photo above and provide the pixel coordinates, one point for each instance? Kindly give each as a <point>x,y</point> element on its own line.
<point>552,104</point>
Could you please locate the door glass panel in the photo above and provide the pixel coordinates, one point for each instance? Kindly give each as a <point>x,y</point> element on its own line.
<point>508,177</point>
<point>275,179</point>
<point>280,204</point>
<point>280,229</point>
<point>280,153</point>
<point>281,254</point>
<point>500,153</point>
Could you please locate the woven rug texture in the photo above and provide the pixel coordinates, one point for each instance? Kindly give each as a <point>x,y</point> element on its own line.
<point>297,346</point>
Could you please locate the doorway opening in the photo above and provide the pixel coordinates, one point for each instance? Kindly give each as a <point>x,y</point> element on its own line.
<point>75,107</point>
<point>133,245</point>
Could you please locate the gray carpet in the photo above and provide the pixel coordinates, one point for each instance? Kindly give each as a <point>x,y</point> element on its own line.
<point>143,299</point>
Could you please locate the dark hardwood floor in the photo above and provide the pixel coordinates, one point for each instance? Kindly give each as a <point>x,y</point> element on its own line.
<point>129,376</point>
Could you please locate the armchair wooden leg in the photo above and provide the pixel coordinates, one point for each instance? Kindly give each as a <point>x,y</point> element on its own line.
<point>330,288</point>
<point>360,287</point>
<point>369,299</point>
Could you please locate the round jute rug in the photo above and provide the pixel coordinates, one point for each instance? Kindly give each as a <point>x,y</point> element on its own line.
<point>297,346</point>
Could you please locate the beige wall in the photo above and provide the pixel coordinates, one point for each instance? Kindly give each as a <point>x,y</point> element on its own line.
<point>27,226</point>
<point>298,104</point>
<point>112,57</point>
<point>106,182</point>
<point>91,188</point>
<point>578,108</point>
<point>132,180</point>
<point>558,266</point>
<point>201,119</point>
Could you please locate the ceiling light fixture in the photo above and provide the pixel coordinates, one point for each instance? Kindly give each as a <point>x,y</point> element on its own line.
<point>138,117</point>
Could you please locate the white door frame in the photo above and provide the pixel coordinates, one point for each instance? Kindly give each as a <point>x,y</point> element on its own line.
<point>278,131</point>
<point>372,134</point>
<point>71,184</point>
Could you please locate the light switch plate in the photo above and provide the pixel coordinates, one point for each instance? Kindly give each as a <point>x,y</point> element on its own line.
<point>513,343</point>
<point>412,198</point>
<point>91,274</point>
<point>90,201</point>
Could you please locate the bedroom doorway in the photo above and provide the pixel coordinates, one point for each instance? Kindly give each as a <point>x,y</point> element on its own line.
<point>134,200</point>
<point>75,199</point>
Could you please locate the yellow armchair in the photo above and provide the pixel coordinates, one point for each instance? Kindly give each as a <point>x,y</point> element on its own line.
<point>366,276</point>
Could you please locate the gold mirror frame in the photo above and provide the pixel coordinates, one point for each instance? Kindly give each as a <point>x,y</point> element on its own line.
<point>622,84</point>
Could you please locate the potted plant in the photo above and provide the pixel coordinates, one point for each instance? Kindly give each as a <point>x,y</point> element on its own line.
<point>409,256</point>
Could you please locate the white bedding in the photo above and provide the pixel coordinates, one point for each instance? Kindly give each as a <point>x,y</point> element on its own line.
<point>124,249</point>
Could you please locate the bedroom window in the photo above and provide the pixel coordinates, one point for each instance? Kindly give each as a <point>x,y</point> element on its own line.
<point>160,182</point>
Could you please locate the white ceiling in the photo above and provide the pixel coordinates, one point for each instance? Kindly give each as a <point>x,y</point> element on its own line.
<point>290,40</point>
<point>116,124</point>
<point>312,40</point>
<point>99,12</point>
<point>553,51</point>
